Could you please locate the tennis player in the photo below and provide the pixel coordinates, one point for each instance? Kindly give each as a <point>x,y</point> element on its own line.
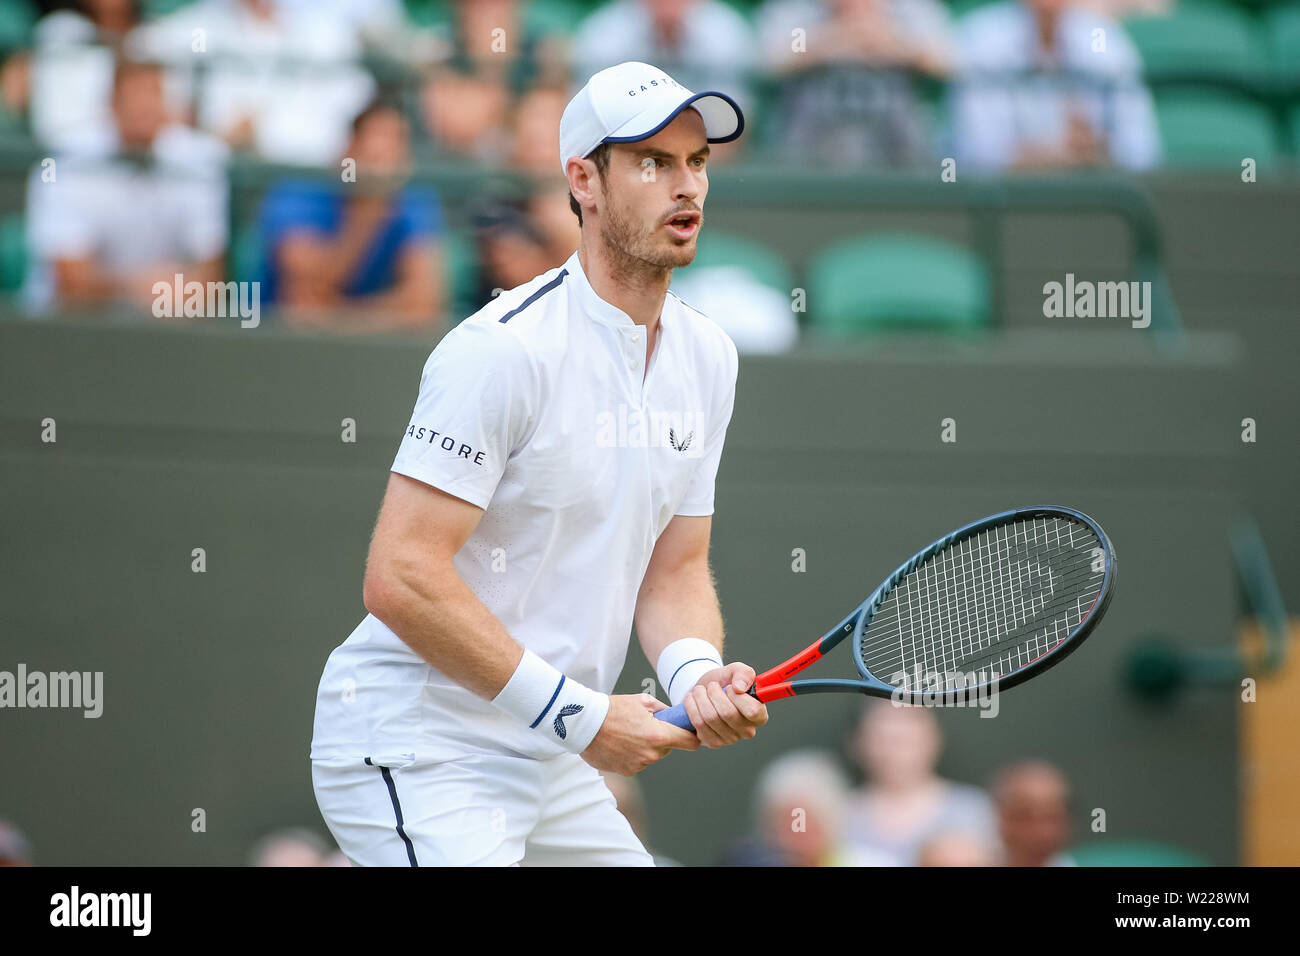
<point>553,486</point>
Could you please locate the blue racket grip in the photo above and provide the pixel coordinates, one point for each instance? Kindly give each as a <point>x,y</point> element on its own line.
<point>677,717</point>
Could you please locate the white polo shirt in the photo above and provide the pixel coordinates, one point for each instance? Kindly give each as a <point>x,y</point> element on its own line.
<point>539,409</point>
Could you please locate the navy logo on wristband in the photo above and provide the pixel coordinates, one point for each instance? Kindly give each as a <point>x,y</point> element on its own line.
<point>568,710</point>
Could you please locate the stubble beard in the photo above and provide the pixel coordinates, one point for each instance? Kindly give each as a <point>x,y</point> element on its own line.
<point>636,254</point>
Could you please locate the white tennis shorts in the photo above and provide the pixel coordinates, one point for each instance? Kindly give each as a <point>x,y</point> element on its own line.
<point>477,810</point>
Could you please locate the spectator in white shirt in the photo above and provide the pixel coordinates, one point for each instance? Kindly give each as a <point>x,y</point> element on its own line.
<point>72,61</point>
<point>703,44</point>
<point>1048,84</point>
<point>279,81</point>
<point>127,205</point>
<point>905,804</point>
<point>847,71</point>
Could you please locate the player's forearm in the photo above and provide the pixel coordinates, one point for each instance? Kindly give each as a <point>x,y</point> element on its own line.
<point>443,621</point>
<point>684,604</point>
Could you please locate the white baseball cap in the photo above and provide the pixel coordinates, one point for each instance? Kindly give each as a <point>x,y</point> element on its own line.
<point>633,101</point>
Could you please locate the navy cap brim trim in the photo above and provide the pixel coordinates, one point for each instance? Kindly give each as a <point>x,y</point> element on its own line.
<point>740,121</point>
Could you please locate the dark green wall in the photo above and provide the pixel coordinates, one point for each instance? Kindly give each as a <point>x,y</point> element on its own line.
<point>226,439</point>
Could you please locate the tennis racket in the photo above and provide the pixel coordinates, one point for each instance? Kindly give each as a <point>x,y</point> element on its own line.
<point>986,607</point>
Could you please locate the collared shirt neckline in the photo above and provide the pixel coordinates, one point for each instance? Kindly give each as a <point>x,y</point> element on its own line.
<point>598,308</point>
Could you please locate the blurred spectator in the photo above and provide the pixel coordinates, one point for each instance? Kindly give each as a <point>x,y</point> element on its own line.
<point>292,846</point>
<point>511,249</point>
<point>372,23</point>
<point>496,57</point>
<point>496,37</point>
<point>1036,91</point>
<point>517,241</point>
<point>467,115</point>
<point>549,210</point>
<point>283,82</point>
<point>127,205</point>
<point>758,318</point>
<point>73,58</point>
<point>703,44</point>
<point>848,95</point>
<point>15,850</point>
<point>631,803</point>
<point>535,131</point>
<point>956,848</point>
<point>905,803</point>
<point>800,804</point>
<point>362,256</point>
<point>1033,806</point>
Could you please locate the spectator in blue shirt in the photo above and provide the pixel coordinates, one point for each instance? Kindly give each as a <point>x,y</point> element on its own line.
<point>362,256</point>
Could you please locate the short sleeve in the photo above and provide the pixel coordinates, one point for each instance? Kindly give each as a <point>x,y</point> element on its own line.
<point>61,220</point>
<point>698,500</point>
<point>290,206</point>
<point>206,223</point>
<point>473,406</point>
<point>421,216</point>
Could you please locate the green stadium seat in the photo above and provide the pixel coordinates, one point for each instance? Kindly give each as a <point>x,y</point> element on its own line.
<point>246,253</point>
<point>761,133</point>
<point>462,275</point>
<point>746,8</point>
<point>1215,128</point>
<point>1282,26</point>
<point>1134,853</point>
<point>959,8</point>
<point>13,253</point>
<point>427,13</point>
<point>897,281</point>
<point>17,18</point>
<point>1210,41</point>
<point>552,17</point>
<point>153,9</point>
<point>727,249</point>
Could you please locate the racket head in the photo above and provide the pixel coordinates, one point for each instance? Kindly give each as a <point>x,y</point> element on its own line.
<point>992,604</point>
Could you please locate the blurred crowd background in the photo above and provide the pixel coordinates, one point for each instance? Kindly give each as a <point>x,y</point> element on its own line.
<point>297,143</point>
<point>877,802</point>
<point>387,166</point>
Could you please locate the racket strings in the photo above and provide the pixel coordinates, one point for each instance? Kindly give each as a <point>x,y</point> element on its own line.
<point>994,602</point>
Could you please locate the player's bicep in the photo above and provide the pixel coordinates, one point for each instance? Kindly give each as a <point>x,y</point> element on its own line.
<point>419,531</point>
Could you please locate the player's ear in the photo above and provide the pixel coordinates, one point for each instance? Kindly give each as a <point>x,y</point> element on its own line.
<point>584,182</point>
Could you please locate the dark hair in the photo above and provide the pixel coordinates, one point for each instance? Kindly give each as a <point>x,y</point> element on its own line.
<point>382,102</point>
<point>599,156</point>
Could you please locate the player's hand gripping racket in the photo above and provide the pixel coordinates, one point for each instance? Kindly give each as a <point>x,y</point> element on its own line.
<point>990,605</point>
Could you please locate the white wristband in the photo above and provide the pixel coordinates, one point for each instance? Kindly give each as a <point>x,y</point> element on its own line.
<point>552,704</point>
<point>682,664</point>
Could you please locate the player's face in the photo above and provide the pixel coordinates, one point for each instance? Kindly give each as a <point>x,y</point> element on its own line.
<point>654,194</point>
